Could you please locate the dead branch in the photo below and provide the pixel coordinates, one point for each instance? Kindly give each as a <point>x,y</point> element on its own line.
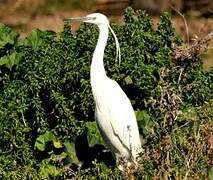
<point>199,46</point>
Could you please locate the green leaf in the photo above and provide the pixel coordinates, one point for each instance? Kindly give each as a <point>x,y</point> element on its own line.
<point>93,134</point>
<point>43,139</point>
<point>70,150</point>
<point>144,121</point>
<point>57,143</point>
<point>142,116</point>
<point>47,170</point>
<point>128,80</point>
<point>35,39</point>
<point>10,60</point>
<point>7,36</point>
<point>27,129</point>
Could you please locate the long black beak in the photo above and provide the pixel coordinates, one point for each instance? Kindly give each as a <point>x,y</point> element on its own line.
<point>84,18</point>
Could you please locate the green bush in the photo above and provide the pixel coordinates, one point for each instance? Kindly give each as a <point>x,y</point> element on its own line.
<point>47,127</point>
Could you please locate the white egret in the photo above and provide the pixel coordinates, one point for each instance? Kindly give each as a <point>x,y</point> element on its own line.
<point>115,116</point>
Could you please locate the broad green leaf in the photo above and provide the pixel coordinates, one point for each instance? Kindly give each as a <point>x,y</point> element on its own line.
<point>47,170</point>
<point>142,116</point>
<point>34,39</point>
<point>43,139</point>
<point>93,134</point>
<point>70,150</point>
<point>7,36</point>
<point>40,145</point>
<point>144,121</point>
<point>10,60</point>
<point>38,38</point>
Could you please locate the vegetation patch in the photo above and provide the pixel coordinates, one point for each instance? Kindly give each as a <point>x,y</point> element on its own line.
<point>47,127</point>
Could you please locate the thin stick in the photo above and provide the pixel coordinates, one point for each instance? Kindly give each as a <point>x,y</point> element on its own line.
<point>184,20</point>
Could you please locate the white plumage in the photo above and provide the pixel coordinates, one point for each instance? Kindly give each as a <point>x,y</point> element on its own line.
<point>115,116</point>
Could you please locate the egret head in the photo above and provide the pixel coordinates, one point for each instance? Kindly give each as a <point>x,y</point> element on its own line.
<point>94,18</point>
<point>99,19</point>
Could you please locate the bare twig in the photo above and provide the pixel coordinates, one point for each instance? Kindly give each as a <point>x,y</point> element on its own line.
<point>184,20</point>
<point>179,78</point>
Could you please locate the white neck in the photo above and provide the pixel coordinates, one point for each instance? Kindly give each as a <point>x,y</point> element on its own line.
<point>97,71</point>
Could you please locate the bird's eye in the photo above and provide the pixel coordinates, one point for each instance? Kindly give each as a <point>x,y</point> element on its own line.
<point>89,18</point>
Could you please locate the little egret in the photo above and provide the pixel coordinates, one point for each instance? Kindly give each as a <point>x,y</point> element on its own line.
<point>114,114</point>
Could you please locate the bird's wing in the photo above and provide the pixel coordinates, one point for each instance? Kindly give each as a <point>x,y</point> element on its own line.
<point>117,110</point>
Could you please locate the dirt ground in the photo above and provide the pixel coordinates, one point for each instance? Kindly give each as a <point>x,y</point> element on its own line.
<point>29,17</point>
